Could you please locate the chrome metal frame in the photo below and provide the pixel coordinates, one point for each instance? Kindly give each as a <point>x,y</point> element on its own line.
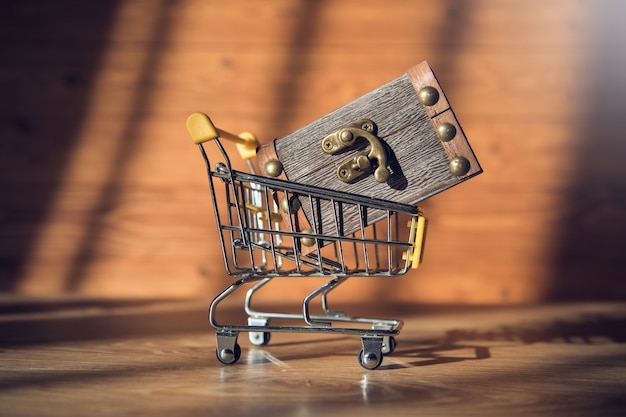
<point>260,243</point>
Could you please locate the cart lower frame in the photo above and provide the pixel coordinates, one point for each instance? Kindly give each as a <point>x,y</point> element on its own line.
<point>262,238</point>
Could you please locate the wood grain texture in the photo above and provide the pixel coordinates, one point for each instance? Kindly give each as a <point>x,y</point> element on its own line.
<point>400,119</point>
<point>128,358</point>
<point>102,193</point>
<point>418,163</point>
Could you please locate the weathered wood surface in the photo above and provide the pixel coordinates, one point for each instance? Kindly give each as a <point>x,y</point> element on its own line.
<point>417,159</point>
<point>400,119</point>
<point>158,359</point>
<point>102,193</point>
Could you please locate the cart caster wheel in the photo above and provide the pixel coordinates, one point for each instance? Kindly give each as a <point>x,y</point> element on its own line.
<point>227,350</point>
<point>260,338</point>
<point>389,345</point>
<point>370,360</point>
<point>228,356</point>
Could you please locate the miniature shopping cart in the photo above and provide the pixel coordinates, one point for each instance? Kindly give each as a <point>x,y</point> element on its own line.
<point>261,222</point>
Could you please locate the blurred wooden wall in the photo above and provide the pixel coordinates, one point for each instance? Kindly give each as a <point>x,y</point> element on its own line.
<point>103,194</point>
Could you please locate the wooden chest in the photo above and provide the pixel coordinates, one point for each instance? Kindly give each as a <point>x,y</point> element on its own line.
<point>400,142</point>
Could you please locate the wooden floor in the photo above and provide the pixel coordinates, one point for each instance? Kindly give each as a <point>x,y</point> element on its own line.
<point>82,357</point>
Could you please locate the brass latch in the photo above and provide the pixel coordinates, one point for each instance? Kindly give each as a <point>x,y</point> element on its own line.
<point>363,163</point>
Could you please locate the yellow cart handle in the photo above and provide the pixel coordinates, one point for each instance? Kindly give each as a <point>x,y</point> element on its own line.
<point>201,129</point>
<point>418,239</point>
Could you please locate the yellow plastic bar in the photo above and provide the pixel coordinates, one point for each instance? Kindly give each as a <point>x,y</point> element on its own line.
<point>275,217</point>
<point>201,129</point>
<point>419,238</point>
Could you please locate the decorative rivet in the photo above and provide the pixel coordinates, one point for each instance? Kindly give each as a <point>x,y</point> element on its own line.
<point>428,96</point>
<point>273,168</point>
<point>307,241</point>
<point>292,205</point>
<point>459,166</point>
<point>346,136</point>
<point>284,205</point>
<point>446,132</point>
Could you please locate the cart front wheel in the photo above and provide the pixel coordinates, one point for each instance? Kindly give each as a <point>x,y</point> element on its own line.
<point>228,356</point>
<point>370,360</point>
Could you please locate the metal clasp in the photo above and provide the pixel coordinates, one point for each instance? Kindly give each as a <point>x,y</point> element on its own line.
<point>363,163</point>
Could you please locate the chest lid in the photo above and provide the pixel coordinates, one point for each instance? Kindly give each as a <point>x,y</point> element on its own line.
<point>400,142</point>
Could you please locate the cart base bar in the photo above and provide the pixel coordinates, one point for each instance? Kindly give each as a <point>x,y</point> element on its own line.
<point>374,343</point>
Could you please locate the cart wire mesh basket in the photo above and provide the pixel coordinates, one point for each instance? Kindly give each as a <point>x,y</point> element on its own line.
<point>271,228</point>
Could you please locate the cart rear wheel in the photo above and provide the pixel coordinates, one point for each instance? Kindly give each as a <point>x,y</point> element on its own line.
<point>260,338</point>
<point>228,356</point>
<point>389,345</point>
<point>370,360</point>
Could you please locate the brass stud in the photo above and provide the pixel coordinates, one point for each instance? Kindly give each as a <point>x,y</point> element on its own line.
<point>346,136</point>
<point>446,132</point>
<point>459,166</point>
<point>293,205</point>
<point>428,96</point>
<point>284,205</point>
<point>273,168</point>
<point>307,241</point>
